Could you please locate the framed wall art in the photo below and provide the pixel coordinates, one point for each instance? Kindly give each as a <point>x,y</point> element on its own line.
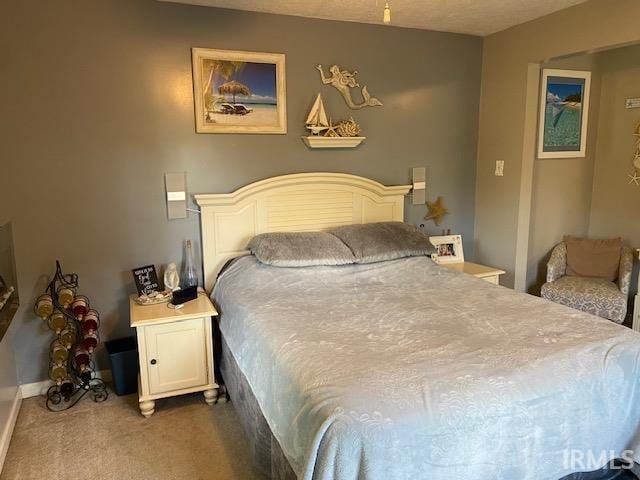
<point>239,92</point>
<point>564,113</point>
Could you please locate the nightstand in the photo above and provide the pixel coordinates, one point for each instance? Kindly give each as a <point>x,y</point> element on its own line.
<point>488,274</point>
<point>175,350</point>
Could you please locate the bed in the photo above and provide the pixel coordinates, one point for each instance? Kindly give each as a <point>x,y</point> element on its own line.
<point>403,369</point>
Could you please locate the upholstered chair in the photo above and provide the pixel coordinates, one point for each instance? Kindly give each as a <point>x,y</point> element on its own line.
<point>597,296</point>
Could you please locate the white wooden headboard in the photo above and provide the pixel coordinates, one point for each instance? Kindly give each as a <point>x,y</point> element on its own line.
<point>296,202</point>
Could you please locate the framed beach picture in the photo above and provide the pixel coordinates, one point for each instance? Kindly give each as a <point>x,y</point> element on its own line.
<point>239,92</point>
<point>564,111</point>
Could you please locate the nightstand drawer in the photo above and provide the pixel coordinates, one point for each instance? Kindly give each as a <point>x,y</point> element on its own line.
<point>176,355</point>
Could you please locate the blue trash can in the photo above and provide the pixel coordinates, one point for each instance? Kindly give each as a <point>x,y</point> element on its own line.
<point>123,356</point>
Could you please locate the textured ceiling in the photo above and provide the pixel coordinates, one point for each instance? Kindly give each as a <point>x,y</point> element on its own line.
<point>476,17</point>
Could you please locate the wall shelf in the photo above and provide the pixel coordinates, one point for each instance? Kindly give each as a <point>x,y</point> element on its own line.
<point>332,142</point>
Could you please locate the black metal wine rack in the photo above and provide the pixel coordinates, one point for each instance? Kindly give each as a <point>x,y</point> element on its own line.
<point>72,380</point>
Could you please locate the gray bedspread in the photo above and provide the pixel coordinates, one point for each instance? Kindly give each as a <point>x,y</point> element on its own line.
<point>406,370</point>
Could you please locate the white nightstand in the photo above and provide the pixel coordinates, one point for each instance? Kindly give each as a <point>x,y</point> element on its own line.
<point>488,274</point>
<point>175,350</point>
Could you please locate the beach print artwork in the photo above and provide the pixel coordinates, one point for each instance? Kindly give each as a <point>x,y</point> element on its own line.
<point>563,116</point>
<point>239,92</point>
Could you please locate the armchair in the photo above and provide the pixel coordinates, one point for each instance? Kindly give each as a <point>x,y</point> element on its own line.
<point>597,296</point>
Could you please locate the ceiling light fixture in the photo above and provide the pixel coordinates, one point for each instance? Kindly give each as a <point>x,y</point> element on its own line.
<point>386,17</point>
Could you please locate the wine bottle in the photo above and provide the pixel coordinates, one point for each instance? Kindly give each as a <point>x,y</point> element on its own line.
<point>81,358</point>
<point>57,373</point>
<point>44,306</point>
<point>80,306</point>
<point>190,277</point>
<point>90,321</point>
<point>57,322</point>
<point>65,296</point>
<point>90,341</point>
<point>66,388</point>
<point>68,336</point>
<point>59,353</point>
<point>85,375</point>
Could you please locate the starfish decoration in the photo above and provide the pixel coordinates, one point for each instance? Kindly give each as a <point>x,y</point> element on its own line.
<point>635,178</point>
<point>436,211</point>
<point>331,130</point>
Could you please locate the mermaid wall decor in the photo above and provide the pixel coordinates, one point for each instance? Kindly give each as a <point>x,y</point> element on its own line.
<point>344,81</point>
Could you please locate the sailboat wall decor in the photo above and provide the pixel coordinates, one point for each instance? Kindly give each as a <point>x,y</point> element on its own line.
<point>324,134</point>
<point>317,118</point>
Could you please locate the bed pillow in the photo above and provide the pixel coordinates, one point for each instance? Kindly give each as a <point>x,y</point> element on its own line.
<point>377,242</point>
<point>300,249</point>
<point>588,257</point>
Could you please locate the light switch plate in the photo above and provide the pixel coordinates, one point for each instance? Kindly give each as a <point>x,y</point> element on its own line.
<point>499,168</point>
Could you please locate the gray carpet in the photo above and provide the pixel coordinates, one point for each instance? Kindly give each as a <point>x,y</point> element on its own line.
<point>184,439</point>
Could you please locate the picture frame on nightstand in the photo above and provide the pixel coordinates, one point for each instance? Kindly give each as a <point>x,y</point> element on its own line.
<point>448,249</point>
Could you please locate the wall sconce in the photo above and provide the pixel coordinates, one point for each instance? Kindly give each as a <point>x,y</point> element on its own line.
<point>176,186</point>
<point>418,193</point>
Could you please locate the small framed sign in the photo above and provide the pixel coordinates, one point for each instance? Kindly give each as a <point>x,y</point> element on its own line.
<point>146,279</point>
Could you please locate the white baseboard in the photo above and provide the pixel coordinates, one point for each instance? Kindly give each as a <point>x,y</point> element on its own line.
<point>35,389</point>
<point>5,439</point>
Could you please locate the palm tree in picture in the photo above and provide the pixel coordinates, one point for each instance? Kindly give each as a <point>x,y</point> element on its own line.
<point>234,88</point>
<point>223,68</point>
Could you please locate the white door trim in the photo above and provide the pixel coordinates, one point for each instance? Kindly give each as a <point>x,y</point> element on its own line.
<point>5,440</point>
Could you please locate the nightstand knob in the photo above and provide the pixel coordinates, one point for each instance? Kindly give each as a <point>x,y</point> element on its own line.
<point>153,361</point>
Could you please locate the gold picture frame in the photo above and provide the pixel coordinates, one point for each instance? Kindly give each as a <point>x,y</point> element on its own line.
<point>239,92</point>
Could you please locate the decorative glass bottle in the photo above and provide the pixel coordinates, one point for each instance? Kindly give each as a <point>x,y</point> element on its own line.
<point>190,277</point>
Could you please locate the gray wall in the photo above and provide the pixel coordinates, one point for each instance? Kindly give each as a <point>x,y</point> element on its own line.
<point>506,106</point>
<point>616,204</point>
<point>98,105</point>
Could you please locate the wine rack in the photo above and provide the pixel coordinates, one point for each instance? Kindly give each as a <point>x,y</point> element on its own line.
<point>75,325</point>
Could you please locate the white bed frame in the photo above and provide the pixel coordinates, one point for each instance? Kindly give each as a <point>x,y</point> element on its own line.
<point>296,202</point>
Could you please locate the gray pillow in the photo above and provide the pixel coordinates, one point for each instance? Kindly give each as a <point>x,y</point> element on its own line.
<point>300,249</point>
<point>377,242</point>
